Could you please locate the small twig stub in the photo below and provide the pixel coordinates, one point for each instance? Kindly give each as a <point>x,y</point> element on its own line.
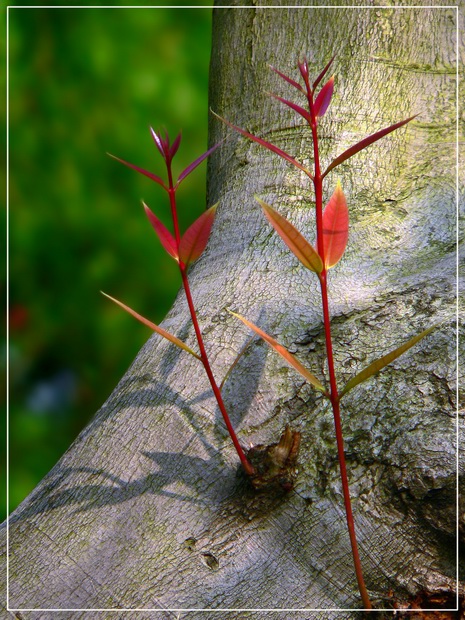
<point>276,465</point>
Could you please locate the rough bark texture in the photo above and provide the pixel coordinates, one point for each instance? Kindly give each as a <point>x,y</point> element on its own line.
<point>146,509</point>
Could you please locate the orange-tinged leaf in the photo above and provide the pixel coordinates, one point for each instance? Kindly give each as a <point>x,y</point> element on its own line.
<point>335,227</point>
<point>238,357</point>
<point>166,238</point>
<point>296,242</point>
<point>156,328</point>
<point>195,238</point>
<point>290,359</point>
<point>380,363</point>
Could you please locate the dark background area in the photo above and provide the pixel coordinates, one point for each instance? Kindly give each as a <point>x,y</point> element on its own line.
<point>83,82</point>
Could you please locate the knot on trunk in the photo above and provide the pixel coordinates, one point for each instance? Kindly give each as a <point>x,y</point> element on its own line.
<point>276,464</point>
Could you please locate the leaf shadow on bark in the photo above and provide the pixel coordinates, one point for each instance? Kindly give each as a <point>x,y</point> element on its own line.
<point>240,388</point>
<point>173,468</point>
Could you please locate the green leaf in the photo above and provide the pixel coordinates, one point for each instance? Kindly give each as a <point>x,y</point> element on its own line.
<point>296,242</point>
<point>156,328</point>
<point>290,359</point>
<point>380,363</point>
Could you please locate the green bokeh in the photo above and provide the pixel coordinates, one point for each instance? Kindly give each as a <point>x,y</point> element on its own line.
<point>83,82</point>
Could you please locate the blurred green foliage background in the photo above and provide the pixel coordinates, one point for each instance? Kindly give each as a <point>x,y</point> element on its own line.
<point>83,82</point>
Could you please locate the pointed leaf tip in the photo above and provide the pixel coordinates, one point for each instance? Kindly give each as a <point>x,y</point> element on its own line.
<point>290,359</point>
<point>146,173</point>
<point>155,328</point>
<point>195,238</point>
<point>323,73</point>
<point>166,238</point>
<point>268,145</point>
<point>335,227</point>
<point>296,242</point>
<point>380,363</point>
<point>197,162</point>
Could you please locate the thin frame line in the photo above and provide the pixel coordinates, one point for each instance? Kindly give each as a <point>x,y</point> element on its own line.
<point>208,6</point>
<point>7,357</point>
<point>457,273</point>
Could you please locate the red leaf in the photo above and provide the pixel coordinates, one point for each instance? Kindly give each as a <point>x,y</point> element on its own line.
<point>141,170</point>
<point>287,78</point>
<point>364,143</point>
<point>323,73</point>
<point>196,163</point>
<point>166,238</point>
<point>267,145</point>
<point>195,238</point>
<point>295,107</point>
<point>159,141</point>
<point>324,97</point>
<point>335,227</point>
<point>174,147</point>
<point>296,242</point>
<point>303,68</point>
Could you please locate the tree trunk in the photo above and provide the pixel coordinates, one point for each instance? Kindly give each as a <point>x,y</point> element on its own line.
<point>146,510</point>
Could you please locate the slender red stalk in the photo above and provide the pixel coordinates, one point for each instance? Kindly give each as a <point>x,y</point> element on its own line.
<point>248,468</point>
<point>334,395</point>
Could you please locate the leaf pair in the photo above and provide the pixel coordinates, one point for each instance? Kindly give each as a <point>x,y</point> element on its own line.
<point>365,374</point>
<point>192,243</point>
<point>335,233</point>
<point>168,151</point>
<point>318,108</point>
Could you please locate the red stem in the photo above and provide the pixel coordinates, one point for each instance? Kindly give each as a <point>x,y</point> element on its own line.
<point>248,468</point>
<point>334,395</point>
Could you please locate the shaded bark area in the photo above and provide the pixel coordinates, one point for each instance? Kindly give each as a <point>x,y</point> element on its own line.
<point>147,510</point>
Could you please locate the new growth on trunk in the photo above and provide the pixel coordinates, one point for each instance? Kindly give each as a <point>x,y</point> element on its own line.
<point>274,467</point>
<point>332,233</point>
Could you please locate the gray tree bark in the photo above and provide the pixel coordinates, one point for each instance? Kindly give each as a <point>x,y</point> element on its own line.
<point>146,510</point>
